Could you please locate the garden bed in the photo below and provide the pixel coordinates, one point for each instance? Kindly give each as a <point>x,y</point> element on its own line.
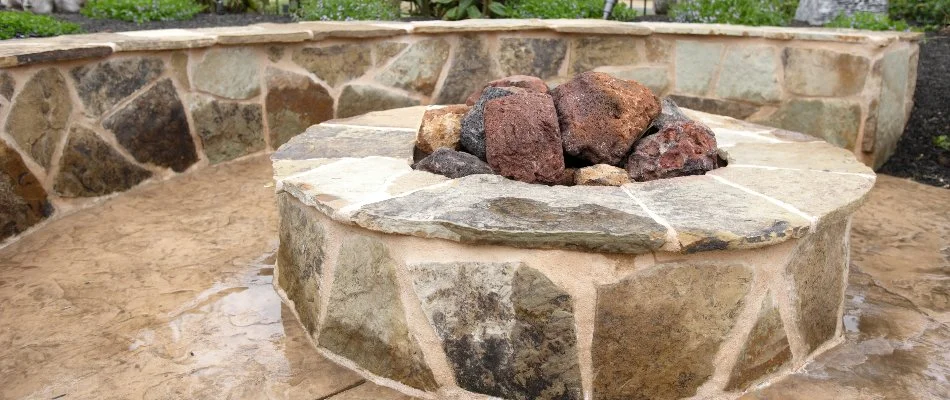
<point>203,20</point>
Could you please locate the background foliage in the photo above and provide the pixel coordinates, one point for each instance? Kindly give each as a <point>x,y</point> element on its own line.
<point>346,10</point>
<point>21,24</point>
<point>140,11</point>
<point>739,12</point>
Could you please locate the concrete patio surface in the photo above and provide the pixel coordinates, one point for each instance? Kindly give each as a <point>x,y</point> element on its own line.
<point>165,292</point>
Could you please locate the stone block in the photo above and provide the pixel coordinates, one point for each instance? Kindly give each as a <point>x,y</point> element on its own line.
<point>814,156</point>
<point>819,72</point>
<point>750,73</point>
<point>891,113</point>
<point>765,351</point>
<point>37,120</point>
<point>23,201</point>
<point>7,85</point>
<point>103,85</point>
<point>531,56</point>
<point>90,167</point>
<point>385,51</point>
<point>229,72</point>
<point>365,321</point>
<point>835,120</point>
<point>154,129</point>
<point>359,99</point>
<point>294,102</point>
<point>729,108</point>
<point>655,78</point>
<point>227,129</point>
<point>656,335</point>
<point>335,64</point>
<point>417,68</point>
<point>817,273</point>
<point>471,67</point>
<point>508,331</point>
<point>300,258</point>
<point>659,50</point>
<point>696,64</point>
<point>179,69</point>
<point>591,52</point>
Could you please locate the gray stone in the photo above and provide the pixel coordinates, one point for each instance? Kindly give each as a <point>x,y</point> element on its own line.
<point>23,201</point>
<point>335,64</point>
<point>765,351</point>
<point>471,67</point>
<point>365,321</point>
<point>359,99</point>
<point>750,73</point>
<point>37,120</point>
<point>696,64</point>
<point>300,258</point>
<point>418,68</point>
<point>819,72</point>
<point>103,85</point>
<point>655,78</point>
<point>228,130</point>
<point>228,72</point>
<point>294,102</point>
<point>532,56</point>
<point>835,120</point>
<point>819,156</point>
<point>473,124</point>
<point>90,167</point>
<point>7,85</point>
<point>817,271</point>
<point>891,114</point>
<point>708,215</point>
<point>452,164</point>
<point>820,12</point>
<point>321,141</point>
<point>154,129</point>
<point>385,51</point>
<point>507,330</point>
<point>591,52</point>
<point>656,335</point>
<point>276,53</point>
<point>492,209</point>
<point>729,108</point>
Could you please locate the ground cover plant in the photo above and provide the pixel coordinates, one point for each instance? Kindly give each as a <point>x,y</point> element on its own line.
<point>739,12</point>
<point>21,24</point>
<point>868,21</point>
<point>346,10</point>
<point>140,11</point>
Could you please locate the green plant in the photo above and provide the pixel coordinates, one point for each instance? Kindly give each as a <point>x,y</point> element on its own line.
<point>140,11</point>
<point>929,14</point>
<point>868,21</point>
<point>454,10</point>
<point>549,9</point>
<point>942,142</point>
<point>234,6</point>
<point>739,12</point>
<point>19,24</point>
<point>346,10</point>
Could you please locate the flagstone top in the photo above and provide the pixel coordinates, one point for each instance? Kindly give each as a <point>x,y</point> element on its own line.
<point>777,185</point>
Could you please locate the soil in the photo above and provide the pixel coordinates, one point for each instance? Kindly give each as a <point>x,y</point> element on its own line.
<point>203,20</point>
<point>917,157</point>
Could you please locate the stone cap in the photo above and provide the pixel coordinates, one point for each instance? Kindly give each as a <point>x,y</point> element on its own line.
<point>70,47</point>
<point>778,185</point>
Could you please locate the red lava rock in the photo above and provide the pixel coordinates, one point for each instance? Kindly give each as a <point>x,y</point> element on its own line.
<point>530,83</point>
<point>601,116</point>
<point>522,138</point>
<point>680,148</point>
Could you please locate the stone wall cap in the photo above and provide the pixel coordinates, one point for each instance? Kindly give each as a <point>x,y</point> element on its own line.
<point>777,186</point>
<point>593,26</point>
<point>477,25</point>
<point>783,33</point>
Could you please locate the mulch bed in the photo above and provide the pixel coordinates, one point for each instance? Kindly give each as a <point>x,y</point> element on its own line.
<point>917,157</point>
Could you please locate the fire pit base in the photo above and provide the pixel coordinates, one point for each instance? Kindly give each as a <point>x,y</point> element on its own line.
<point>668,289</point>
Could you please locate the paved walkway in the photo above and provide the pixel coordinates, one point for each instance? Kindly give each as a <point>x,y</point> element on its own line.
<point>165,293</point>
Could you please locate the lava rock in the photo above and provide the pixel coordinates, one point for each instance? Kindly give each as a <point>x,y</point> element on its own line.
<point>680,148</point>
<point>601,116</point>
<point>529,83</point>
<point>441,127</point>
<point>601,175</point>
<point>522,138</point>
<point>473,124</point>
<point>669,113</point>
<point>452,164</point>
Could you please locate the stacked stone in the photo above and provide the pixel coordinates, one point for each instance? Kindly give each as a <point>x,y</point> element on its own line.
<point>517,128</point>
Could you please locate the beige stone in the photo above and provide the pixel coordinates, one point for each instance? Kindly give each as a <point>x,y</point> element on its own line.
<point>820,72</point>
<point>540,57</point>
<point>385,51</point>
<point>441,127</point>
<point>38,118</point>
<point>601,175</point>
<point>656,335</point>
<point>227,72</point>
<point>595,27</point>
<point>765,351</point>
<point>418,68</point>
<point>259,33</point>
<point>818,156</point>
<point>336,64</point>
<point>179,69</point>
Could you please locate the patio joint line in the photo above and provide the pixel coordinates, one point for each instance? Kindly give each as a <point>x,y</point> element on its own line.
<point>812,221</point>
<point>672,238</point>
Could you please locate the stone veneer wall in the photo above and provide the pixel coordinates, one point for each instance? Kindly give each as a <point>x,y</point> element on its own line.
<point>86,116</point>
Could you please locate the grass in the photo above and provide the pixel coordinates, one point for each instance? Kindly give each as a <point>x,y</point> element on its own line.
<point>21,24</point>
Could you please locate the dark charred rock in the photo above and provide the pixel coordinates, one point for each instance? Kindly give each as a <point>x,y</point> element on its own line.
<point>473,124</point>
<point>452,164</point>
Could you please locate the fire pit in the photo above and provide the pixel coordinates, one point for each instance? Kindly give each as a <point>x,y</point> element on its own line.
<point>689,286</point>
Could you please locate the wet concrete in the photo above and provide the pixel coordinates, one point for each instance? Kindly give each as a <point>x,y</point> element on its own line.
<point>165,293</point>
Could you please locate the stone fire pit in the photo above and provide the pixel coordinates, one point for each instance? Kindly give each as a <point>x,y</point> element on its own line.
<point>690,286</point>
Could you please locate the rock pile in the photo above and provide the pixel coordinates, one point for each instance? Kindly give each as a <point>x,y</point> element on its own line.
<point>592,130</point>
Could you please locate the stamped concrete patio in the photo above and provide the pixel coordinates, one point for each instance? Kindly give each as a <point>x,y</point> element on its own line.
<point>165,292</point>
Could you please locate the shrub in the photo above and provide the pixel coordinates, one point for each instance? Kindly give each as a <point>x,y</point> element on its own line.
<point>234,6</point>
<point>739,12</point>
<point>19,24</point>
<point>570,9</point>
<point>140,11</point>
<point>346,10</point>
<point>868,21</point>
<point>929,14</point>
